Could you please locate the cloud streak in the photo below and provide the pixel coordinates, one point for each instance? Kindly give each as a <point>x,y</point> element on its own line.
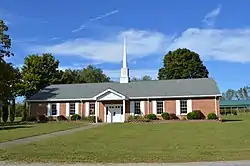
<point>209,19</point>
<point>95,19</point>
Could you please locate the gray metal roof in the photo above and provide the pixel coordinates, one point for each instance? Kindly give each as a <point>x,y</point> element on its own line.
<point>156,88</point>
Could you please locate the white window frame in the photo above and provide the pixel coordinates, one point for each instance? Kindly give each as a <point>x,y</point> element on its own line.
<point>50,109</point>
<point>71,110</point>
<point>181,104</point>
<point>137,107</point>
<point>163,106</point>
<point>90,104</point>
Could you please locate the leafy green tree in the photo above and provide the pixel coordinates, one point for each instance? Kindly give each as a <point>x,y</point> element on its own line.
<point>144,78</point>
<point>38,72</point>
<point>92,74</point>
<point>8,72</point>
<point>70,76</point>
<point>182,64</point>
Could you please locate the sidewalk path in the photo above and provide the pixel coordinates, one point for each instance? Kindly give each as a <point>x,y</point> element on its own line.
<point>226,163</point>
<point>31,139</point>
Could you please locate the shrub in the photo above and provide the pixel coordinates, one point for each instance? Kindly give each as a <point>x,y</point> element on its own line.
<point>212,116</point>
<point>61,118</point>
<point>91,119</point>
<point>51,118</point>
<point>75,117</point>
<point>183,118</point>
<point>165,116</point>
<point>138,118</point>
<point>42,118</point>
<point>172,116</point>
<point>234,112</point>
<point>199,114</point>
<point>151,116</point>
<point>31,118</point>
<point>191,115</point>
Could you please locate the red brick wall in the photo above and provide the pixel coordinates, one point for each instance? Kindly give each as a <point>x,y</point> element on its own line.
<point>62,109</point>
<point>170,106</point>
<point>38,109</point>
<point>206,105</point>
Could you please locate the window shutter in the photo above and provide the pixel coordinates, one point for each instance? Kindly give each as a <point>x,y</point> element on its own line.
<point>178,109</point>
<point>154,106</point>
<point>58,109</point>
<point>87,109</point>
<point>67,109</point>
<point>49,113</point>
<point>77,108</point>
<point>132,107</point>
<point>189,106</point>
<point>142,107</point>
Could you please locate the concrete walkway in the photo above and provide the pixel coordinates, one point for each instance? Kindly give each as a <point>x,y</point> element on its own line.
<point>32,139</point>
<point>227,163</point>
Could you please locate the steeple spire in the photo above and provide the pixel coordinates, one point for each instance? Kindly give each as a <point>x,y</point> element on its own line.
<point>124,78</point>
<point>124,65</point>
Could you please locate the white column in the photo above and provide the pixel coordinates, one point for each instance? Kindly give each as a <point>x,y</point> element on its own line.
<point>96,112</point>
<point>124,109</point>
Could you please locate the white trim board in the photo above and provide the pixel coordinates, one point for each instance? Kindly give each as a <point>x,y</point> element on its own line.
<point>143,97</point>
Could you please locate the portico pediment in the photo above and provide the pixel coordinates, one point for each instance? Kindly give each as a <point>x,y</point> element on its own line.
<point>110,94</point>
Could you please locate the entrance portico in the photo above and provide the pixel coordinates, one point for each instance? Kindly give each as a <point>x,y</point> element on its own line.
<point>114,106</point>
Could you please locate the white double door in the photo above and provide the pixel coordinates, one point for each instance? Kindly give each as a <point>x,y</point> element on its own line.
<point>114,113</point>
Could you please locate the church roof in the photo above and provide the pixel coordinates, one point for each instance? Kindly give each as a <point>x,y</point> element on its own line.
<point>138,89</point>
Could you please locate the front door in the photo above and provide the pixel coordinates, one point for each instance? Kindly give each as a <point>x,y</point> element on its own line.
<point>114,113</point>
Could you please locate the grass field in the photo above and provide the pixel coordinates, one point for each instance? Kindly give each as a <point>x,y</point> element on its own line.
<point>15,131</point>
<point>174,142</point>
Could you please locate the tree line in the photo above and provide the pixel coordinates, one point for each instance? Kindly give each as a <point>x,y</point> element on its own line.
<point>240,94</point>
<point>41,70</point>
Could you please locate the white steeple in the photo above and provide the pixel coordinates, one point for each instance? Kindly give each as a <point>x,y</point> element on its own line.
<point>124,78</point>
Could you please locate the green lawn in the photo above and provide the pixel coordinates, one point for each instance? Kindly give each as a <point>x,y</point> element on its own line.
<point>173,142</point>
<point>15,131</point>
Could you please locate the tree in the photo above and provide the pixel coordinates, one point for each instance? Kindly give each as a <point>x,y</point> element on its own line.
<point>144,78</point>
<point>70,76</point>
<point>7,73</point>
<point>182,64</point>
<point>240,94</point>
<point>5,112</point>
<point>12,110</point>
<point>37,73</point>
<point>92,74</point>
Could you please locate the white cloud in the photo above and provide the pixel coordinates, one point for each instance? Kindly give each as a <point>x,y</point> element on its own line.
<point>210,17</point>
<point>216,44</point>
<point>212,44</point>
<point>139,44</point>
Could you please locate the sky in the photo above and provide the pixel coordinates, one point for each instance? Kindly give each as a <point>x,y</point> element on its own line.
<point>83,32</point>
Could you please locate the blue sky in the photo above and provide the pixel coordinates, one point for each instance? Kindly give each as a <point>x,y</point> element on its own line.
<point>91,32</point>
